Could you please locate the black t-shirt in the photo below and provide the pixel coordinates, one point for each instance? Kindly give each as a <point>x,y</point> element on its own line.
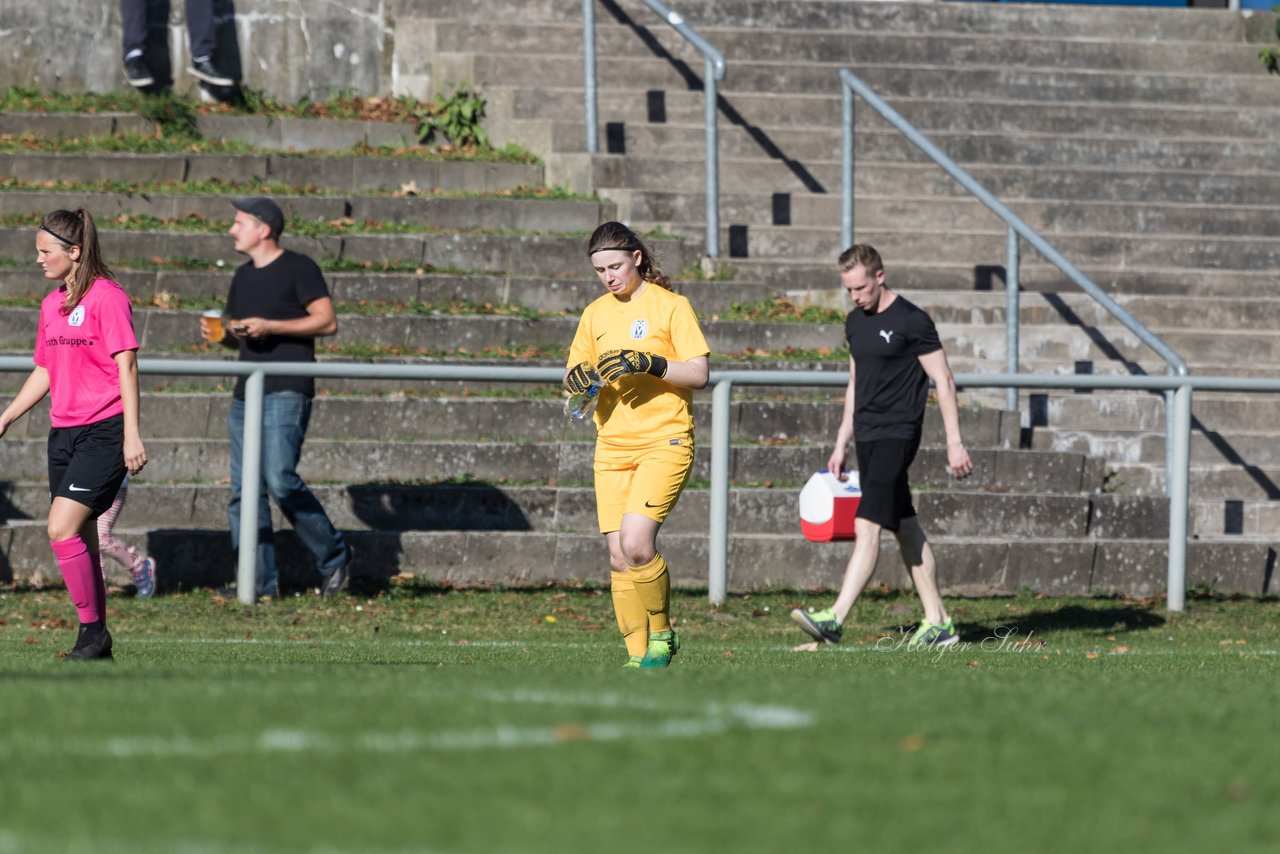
<point>890,386</point>
<point>282,290</point>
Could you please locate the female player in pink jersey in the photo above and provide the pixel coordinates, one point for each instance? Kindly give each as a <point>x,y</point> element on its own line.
<point>86,361</point>
<point>644,343</point>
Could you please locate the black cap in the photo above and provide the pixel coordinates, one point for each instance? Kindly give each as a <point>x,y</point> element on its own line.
<point>264,209</point>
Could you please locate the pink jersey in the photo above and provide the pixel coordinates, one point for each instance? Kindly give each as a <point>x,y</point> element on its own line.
<point>78,350</point>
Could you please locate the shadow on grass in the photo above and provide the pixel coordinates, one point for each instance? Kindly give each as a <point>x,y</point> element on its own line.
<point>1125,617</point>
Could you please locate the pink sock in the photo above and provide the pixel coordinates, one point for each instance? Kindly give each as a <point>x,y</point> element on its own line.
<point>77,571</point>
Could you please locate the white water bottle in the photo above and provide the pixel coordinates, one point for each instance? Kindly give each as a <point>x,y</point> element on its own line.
<point>580,406</point>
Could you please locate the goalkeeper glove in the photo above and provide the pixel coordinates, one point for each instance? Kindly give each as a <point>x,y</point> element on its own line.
<point>579,379</point>
<point>616,364</point>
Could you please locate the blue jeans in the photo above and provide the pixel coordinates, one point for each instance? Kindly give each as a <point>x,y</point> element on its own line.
<point>285,415</point>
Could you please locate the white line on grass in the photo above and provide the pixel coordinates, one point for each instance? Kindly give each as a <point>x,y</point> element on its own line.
<point>842,649</point>
<point>833,649</point>
<point>701,720</point>
<point>715,719</point>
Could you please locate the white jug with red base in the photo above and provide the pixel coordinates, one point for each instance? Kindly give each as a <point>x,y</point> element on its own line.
<point>828,506</point>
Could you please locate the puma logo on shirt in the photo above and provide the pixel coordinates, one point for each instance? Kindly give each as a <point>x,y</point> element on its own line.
<point>886,335</point>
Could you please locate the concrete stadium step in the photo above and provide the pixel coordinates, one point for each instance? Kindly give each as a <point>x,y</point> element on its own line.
<point>168,330</point>
<point>1246,448</point>
<point>989,245</point>
<point>1202,347</point>
<point>1135,25</point>
<point>567,463</point>
<point>1209,411</point>
<point>549,294</point>
<point>923,274</point>
<point>553,255</point>
<point>1049,217</point>
<point>1161,313</point>
<point>494,214</point>
<point>847,48</point>
<point>162,330</point>
<point>490,507</point>
<point>337,174</point>
<point>481,418</point>
<point>737,141</point>
<point>1110,23</point>
<point>289,133</point>
<point>994,82</point>
<point>967,565</point>
<point>772,112</point>
<point>1214,187</point>
<point>1042,138</point>
<point>281,133</point>
<point>1209,481</point>
<point>1232,516</point>
<point>570,295</point>
<point>67,125</point>
<point>1149,365</point>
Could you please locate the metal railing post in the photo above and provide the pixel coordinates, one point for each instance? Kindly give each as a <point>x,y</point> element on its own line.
<point>713,159</point>
<point>714,70</point>
<point>1179,474</point>
<point>1013,320</point>
<point>589,73</point>
<point>250,477</point>
<point>718,542</point>
<point>846,168</point>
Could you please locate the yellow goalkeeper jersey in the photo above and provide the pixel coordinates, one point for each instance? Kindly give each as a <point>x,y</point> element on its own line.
<point>639,409</point>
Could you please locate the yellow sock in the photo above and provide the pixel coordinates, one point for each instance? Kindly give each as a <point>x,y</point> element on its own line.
<point>633,620</point>
<point>653,583</point>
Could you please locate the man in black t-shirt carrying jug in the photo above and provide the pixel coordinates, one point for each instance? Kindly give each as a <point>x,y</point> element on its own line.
<point>893,353</point>
<point>277,306</point>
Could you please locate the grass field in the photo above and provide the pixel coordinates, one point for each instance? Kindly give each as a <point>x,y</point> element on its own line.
<point>443,721</point>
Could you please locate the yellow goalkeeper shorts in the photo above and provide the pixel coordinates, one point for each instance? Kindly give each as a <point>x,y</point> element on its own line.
<point>646,481</point>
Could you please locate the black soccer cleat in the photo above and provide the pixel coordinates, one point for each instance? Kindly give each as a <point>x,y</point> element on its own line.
<point>91,644</point>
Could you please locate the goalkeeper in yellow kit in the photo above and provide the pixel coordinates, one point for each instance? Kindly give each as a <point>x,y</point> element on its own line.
<point>645,343</point>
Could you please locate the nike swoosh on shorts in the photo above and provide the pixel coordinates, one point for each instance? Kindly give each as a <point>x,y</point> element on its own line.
<point>75,488</point>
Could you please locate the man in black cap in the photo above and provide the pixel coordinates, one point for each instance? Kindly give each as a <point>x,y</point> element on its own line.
<point>277,306</point>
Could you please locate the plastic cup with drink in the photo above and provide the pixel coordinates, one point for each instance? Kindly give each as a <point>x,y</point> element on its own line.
<point>211,321</point>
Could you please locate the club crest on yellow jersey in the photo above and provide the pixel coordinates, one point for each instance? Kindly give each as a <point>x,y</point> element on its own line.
<point>639,329</point>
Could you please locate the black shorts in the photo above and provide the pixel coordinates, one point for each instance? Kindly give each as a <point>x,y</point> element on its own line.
<point>86,463</point>
<point>882,474</point>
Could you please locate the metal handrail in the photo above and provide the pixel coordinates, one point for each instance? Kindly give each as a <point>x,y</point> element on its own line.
<point>1178,400</point>
<point>714,70</point>
<point>723,383</point>
<point>850,84</point>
